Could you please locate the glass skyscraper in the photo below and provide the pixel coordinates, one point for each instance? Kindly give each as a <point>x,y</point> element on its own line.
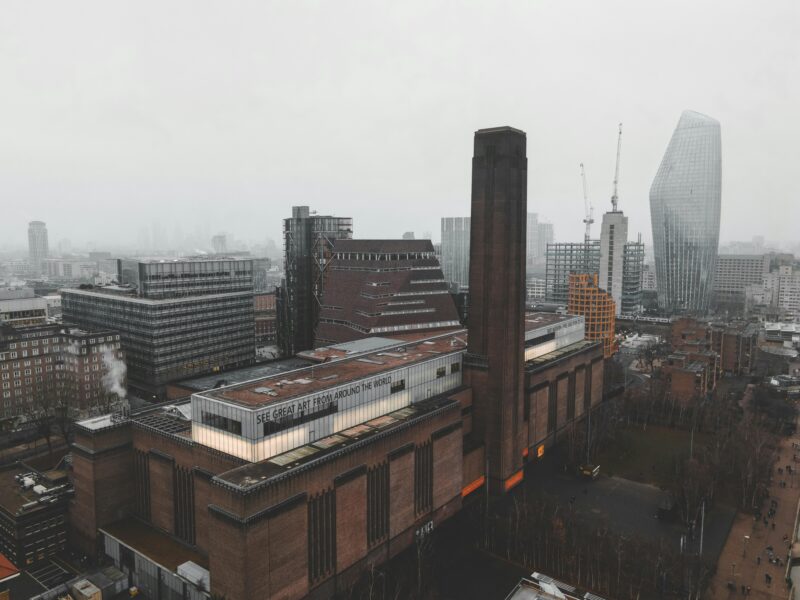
<point>685,210</point>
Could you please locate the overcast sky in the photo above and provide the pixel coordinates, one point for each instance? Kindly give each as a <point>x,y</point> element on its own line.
<point>219,116</point>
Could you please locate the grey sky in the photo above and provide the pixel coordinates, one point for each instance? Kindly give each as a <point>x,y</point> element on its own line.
<point>222,115</point>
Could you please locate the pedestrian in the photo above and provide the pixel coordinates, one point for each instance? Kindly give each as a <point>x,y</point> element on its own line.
<point>773,526</point>
<point>758,560</point>
<point>743,589</point>
<point>748,590</point>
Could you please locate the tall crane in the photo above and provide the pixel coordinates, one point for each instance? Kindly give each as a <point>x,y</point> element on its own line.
<point>589,210</point>
<point>614,197</point>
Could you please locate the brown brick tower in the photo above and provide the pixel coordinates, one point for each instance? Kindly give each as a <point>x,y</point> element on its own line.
<point>494,364</point>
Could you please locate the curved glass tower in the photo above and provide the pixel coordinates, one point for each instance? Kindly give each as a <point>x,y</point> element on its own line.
<point>684,210</point>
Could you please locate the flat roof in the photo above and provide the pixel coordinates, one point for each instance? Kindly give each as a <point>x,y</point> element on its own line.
<point>99,293</point>
<point>237,376</point>
<point>155,545</point>
<point>537,320</point>
<point>544,359</point>
<point>268,390</point>
<point>253,475</point>
<point>13,495</point>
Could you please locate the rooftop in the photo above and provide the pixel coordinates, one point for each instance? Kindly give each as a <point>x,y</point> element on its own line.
<point>382,246</point>
<point>545,359</point>
<point>237,376</point>
<point>16,498</point>
<point>128,294</point>
<point>155,545</point>
<point>268,390</point>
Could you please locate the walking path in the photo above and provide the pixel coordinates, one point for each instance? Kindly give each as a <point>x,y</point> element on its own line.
<point>745,559</point>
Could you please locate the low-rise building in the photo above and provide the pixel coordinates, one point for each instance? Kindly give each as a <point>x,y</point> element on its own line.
<point>33,507</point>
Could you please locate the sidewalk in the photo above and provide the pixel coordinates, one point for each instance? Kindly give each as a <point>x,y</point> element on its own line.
<point>739,561</point>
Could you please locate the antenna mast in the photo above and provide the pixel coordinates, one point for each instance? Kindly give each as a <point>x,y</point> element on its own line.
<point>614,197</point>
<point>588,209</point>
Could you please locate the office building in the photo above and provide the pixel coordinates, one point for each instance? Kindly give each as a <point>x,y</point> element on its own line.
<point>685,210</point>
<point>455,251</point>
<point>734,273</point>
<point>294,484</point>
<point>38,247</point>
<point>597,308</point>
<point>176,318</point>
<point>564,259</point>
<point>649,278</point>
<point>382,287</point>
<point>21,307</point>
<point>308,239</point>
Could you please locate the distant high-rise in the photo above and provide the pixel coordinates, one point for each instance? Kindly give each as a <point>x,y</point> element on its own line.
<point>38,248</point>
<point>220,243</point>
<point>455,250</point>
<point>408,235</point>
<point>537,237</point>
<point>685,211</point>
<point>307,242</point>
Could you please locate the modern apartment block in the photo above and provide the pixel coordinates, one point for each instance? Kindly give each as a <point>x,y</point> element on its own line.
<point>383,287</point>
<point>685,210</point>
<point>596,306</point>
<point>176,318</point>
<point>51,368</point>
<point>307,243</point>
<point>455,251</point>
<point>564,259</point>
<point>38,246</point>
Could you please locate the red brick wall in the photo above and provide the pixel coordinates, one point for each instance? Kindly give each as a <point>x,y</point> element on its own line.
<point>162,509</point>
<point>401,493</point>
<point>448,461</point>
<point>351,521</point>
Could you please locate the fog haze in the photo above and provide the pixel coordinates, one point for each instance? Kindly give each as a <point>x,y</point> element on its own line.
<point>204,117</point>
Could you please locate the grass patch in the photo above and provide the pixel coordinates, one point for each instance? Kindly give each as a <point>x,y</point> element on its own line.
<point>646,455</point>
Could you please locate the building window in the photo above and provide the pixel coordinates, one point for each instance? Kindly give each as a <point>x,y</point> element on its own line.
<point>397,386</point>
<point>455,367</point>
<point>377,503</point>
<point>441,372</point>
<point>423,477</point>
<point>223,423</point>
<point>321,535</point>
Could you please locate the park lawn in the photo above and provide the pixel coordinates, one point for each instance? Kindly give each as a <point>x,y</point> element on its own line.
<point>646,455</point>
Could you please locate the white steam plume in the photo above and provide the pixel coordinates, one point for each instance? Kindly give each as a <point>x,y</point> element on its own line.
<point>115,374</point>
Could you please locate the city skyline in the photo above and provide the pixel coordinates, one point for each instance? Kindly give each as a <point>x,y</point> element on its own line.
<point>239,158</point>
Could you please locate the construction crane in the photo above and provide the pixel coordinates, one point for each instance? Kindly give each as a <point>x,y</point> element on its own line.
<point>614,197</point>
<point>589,210</point>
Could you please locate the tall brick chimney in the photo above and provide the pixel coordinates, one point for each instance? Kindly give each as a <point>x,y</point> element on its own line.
<point>494,364</point>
